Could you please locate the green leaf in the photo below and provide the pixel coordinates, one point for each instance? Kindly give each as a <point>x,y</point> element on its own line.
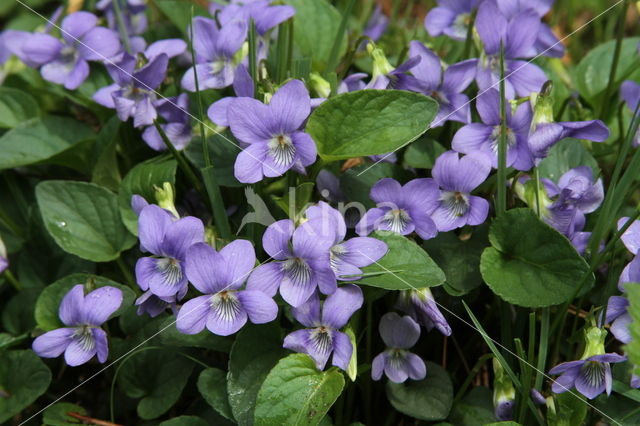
<point>356,182</point>
<point>16,106</point>
<point>184,421</point>
<point>212,384</point>
<point>428,399</point>
<point>369,122</point>
<point>315,26</point>
<point>40,139</point>
<point>422,153</point>
<point>295,392</point>
<point>158,377</point>
<point>571,410</point>
<point>564,156</point>
<point>141,181</point>
<point>633,349</point>
<point>105,163</point>
<point>46,310</point>
<point>223,150</point>
<point>205,339</point>
<point>540,270</point>
<point>23,378</point>
<point>475,409</point>
<point>56,415</point>
<point>592,73</point>
<point>405,266</point>
<point>179,12</point>
<point>83,219</point>
<point>295,201</point>
<point>255,352</point>
<point>459,258</point>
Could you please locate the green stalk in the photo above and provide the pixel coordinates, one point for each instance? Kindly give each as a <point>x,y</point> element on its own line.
<point>468,43</point>
<point>127,274</point>
<point>332,63</point>
<point>474,371</point>
<point>122,28</point>
<point>208,172</point>
<point>12,279</point>
<point>6,220</point>
<point>525,373</point>
<point>283,51</point>
<point>542,348</point>
<point>616,58</point>
<point>501,203</point>
<point>253,54</point>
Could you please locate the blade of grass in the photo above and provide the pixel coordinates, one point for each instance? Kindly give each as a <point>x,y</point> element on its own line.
<point>604,109</point>
<point>253,54</point>
<point>122,28</point>
<point>501,202</point>
<point>332,63</point>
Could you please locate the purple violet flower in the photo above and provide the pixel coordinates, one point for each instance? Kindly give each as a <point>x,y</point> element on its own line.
<point>323,337</point>
<point>347,257</point>
<point>518,35</point>
<point>630,93</point>
<point>376,25</point>
<point>384,75</point>
<point>397,363</point>
<point>66,61</point>
<point>215,49</point>
<point>242,86</point>
<point>133,93</point>
<point>591,375</point>
<point>264,15</point>
<point>177,126</point>
<point>133,14</point>
<point>300,266</point>
<point>446,86</point>
<point>4,260</point>
<point>329,187</point>
<point>631,240</point>
<point>484,137</point>
<point>543,136</point>
<point>154,305</point>
<point>402,208</point>
<point>352,82</point>
<point>619,318</point>
<point>451,17</point>
<point>275,143</point>
<point>422,307</point>
<point>168,239</point>
<point>224,308</point>
<point>83,315</point>
<point>457,177</point>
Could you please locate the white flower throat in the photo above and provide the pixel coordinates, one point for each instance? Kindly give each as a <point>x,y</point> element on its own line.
<point>282,150</point>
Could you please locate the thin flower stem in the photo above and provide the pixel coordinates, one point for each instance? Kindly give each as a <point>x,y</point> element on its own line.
<point>536,176</point>
<point>127,273</point>
<point>6,220</point>
<point>332,63</point>
<point>501,202</point>
<point>12,279</point>
<point>525,374</point>
<point>604,109</point>
<point>283,51</point>
<point>369,343</point>
<point>468,43</point>
<point>542,347</point>
<point>122,28</point>
<point>253,54</point>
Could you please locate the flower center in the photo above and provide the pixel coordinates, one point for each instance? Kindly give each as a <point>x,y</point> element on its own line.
<point>495,138</point>
<point>439,96</point>
<point>593,372</point>
<point>84,336</point>
<point>282,150</point>
<point>321,339</point>
<point>456,202</point>
<point>461,24</point>
<point>297,270</point>
<point>396,220</point>
<point>225,304</point>
<point>217,66</point>
<point>170,270</point>
<point>335,255</point>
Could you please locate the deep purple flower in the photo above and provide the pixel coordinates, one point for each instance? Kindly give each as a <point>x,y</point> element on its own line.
<point>446,86</point>
<point>66,61</point>
<point>485,136</point>
<point>264,15</point>
<point>329,187</point>
<point>83,315</point>
<point>457,177</point>
<point>322,337</point>
<point>451,17</point>
<point>300,267</point>
<point>177,126</point>
<point>518,35</point>
<point>168,239</point>
<point>630,93</point>
<point>154,305</point>
<point>422,307</point>
<point>133,14</point>
<point>402,208</point>
<point>543,136</point>
<point>275,143</point>
<point>591,375</point>
<point>214,50</point>
<point>347,257</point>
<point>133,93</point>
<point>242,86</point>
<point>619,318</point>
<point>224,308</point>
<point>398,364</point>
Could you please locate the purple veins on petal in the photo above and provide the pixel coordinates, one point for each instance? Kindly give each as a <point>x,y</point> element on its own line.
<point>422,307</point>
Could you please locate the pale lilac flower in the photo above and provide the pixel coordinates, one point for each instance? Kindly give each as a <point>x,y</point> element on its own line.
<point>168,239</point>
<point>242,86</point>
<point>66,61</point>
<point>329,187</point>
<point>451,17</point>
<point>402,208</point>
<point>444,85</point>
<point>377,24</point>
<point>631,240</point>
<point>83,338</point>
<point>4,260</point>
<point>133,93</point>
<point>177,126</point>
<point>422,307</point>
<point>385,76</point>
<point>323,337</point>
<point>630,93</point>
<point>619,318</point>
<point>485,136</point>
<point>352,82</point>
<point>225,308</point>
<point>274,142</point>
<point>265,15</point>
<point>302,261</point>
<point>154,305</point>
<point>133,14</point>
<point>518,35</point>
<point>457,177</point>
<point>398,364</point>
<point>346,256</point>
<point>543,136</point>
<point>215,49</point>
